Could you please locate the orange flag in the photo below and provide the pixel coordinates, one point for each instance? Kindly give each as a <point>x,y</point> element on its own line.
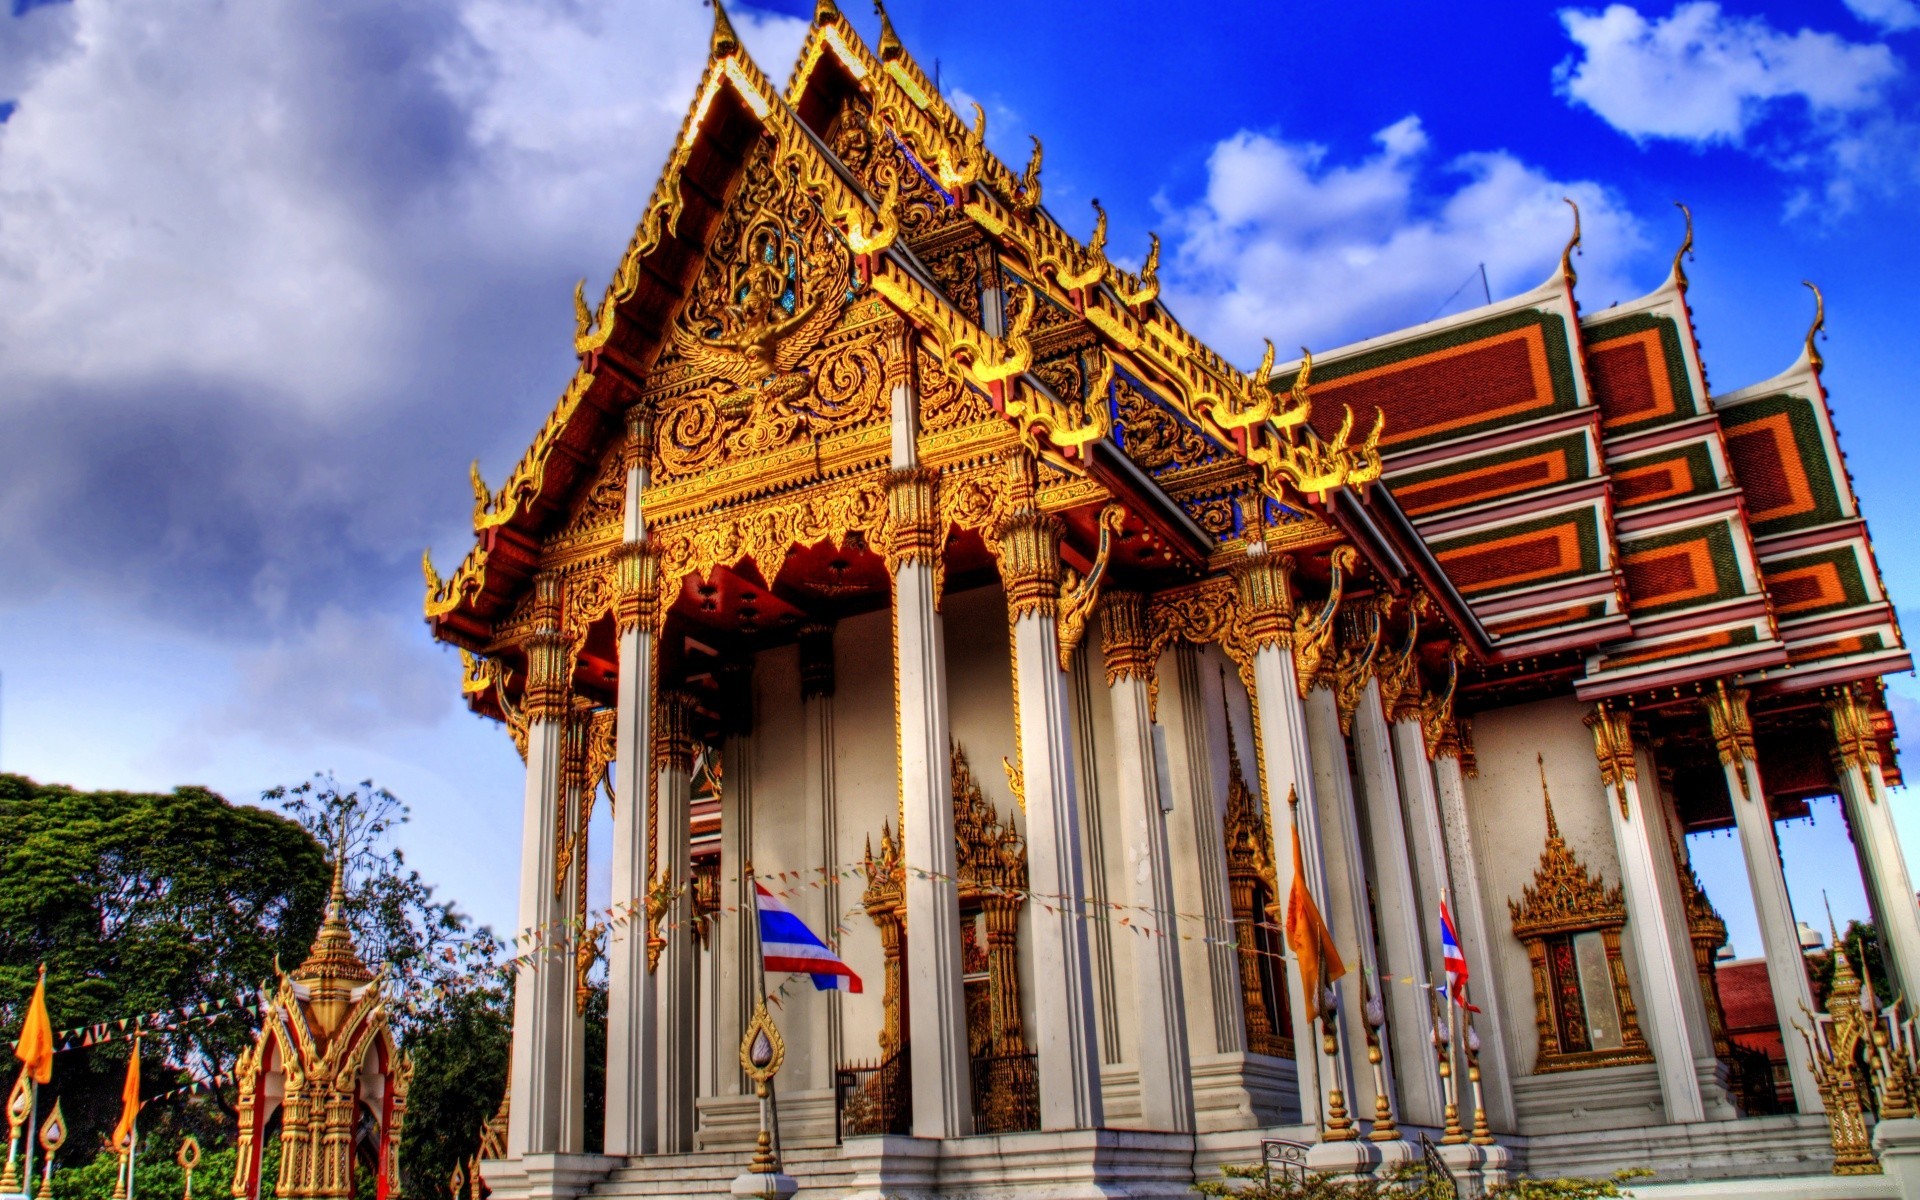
<point>1307,934</point>
<point>35,1048</point>
<point>129,1100</point>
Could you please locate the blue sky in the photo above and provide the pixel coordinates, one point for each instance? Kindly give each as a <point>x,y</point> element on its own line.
<point>272,274</point>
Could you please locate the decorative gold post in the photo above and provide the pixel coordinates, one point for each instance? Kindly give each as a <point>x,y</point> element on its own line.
<point>19,1108</point>
<point>1339,1124</point>
<point>1453,1135</point>
<point>1384,1129</point>
<point>761,1053</point>
<point>1482,1135</point>
<point>53,1135</point>
<point>188,1158</point>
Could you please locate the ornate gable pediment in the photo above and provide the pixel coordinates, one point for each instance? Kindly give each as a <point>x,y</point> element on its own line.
<point>1565,896</point>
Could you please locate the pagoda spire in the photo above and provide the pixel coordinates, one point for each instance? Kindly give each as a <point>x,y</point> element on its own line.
<point>1553,826</point>
<point>333,970</point>
<point>726,42</point>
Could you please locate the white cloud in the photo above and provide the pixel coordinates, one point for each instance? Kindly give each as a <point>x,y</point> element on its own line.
<point>1289,244</point>
<point>1699,75</point>
<point>1891,15</point>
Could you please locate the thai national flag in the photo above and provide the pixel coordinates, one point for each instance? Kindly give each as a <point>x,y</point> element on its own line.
<point>1453,960</point>
<point>786,944</point>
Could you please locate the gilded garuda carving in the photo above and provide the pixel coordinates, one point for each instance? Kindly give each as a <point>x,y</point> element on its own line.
<point>754,333</point>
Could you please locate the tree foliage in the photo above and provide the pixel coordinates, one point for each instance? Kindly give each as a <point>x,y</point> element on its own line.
<point>140,903</point>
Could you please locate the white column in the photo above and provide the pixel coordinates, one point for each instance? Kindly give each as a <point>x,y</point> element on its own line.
<point>679,1020</point>
<point>1399,910</point>
<point>1641,846</point>
<point>736,962</point>
<point>542,991</point>
<point>936,1005</point>
<point>573,1057</point>
<point>632,1002</point>
<point>1166,1087</point>
<point>1461,864</point>
<point>816,705</point>
<point>1779,936</point>
<point>1345,906</point>
<point>1285,769</point>
<point>1670,859</point>
<point>1067,1047</point>
<point>1863,790</point>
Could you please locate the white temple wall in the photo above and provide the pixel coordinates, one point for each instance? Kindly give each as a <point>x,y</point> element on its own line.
<point>867,780</point>
<point>1199,789</point>
<point>1510,829</point>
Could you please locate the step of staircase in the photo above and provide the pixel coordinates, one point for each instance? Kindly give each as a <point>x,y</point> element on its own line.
<point>820,1171</point>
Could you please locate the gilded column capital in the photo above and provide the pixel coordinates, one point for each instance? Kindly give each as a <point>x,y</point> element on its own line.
<point>673,731</point>
<point>913,517</point>
<point>1355,664</point>
<point>639,446</point>
<point>546,651</point>
<point>1030,563</point>
<point>1856,747</point>
<point>1613,749</point>
<point>637,575</point>
<point>1732,730</point>
<point>1264,582</point>
<point>1439,727</point>
<point>1124,637</point>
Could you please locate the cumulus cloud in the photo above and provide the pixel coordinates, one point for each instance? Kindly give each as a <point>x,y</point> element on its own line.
<point>273,273</point>
<point>1890,15</point>
<point>1699,75</point>
<point>1812,104</point>
<point>267,296</point>
<point>1289,243</point>
<point>376,677</point>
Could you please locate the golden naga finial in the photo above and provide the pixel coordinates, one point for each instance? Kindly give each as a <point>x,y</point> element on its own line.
<point>1027,199</point>
<point>890,47</point>
<point>1686,248</point>
<point>973,152</point>
<point>432,576</point>
<point>886,225</point>
<point>1140,291</point>
<point>1573,244</point>
<point>1096,262</point>
<point>826,12</point>
<point>726,42</point>
<point>482,495</point>
<point>1817,328</point>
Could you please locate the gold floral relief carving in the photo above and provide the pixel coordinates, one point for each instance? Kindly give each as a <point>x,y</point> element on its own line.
<point>1156,439</point>
<point>766,530</point>
<point>755,331</point>
<point>946,403</point>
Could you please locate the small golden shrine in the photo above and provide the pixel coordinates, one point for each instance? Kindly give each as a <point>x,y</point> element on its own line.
<point>1570,923</point>
<point>326,1074</point>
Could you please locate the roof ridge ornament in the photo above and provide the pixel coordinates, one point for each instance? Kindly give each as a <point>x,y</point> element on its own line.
<point>1573,244</point>
<point>726,43</point>
<point>1818,328</point>
<point>1679,272</point>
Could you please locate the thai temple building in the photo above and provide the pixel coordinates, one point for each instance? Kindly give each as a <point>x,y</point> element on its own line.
<point>895,550</point>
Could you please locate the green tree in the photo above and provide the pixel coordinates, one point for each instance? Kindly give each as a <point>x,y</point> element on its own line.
<point>143,903</point>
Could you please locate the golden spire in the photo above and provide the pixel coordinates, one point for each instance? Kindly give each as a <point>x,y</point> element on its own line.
<point>725,41</point>
<point>890,47</point>
<point>1553,826</point>
<point>1573,243</point>
<point>1686,248</point>
<point>1817,328</point>
<point>333,965</point>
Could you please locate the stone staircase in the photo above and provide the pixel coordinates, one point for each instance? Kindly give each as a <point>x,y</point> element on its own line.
<point>821,1171</point>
